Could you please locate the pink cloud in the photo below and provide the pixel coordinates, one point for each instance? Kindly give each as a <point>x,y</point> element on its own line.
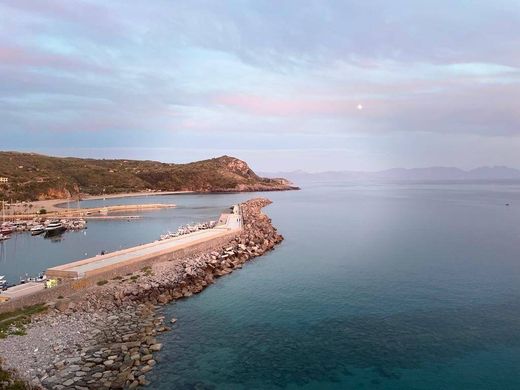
<point>89,15</point>
<point>21,57</point>
<point>460,107</point>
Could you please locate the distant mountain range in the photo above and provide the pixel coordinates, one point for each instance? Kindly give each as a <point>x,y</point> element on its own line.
<point>427,174</point>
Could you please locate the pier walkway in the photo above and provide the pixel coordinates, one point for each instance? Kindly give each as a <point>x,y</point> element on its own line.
<point>227,223</point>
<point>120,260</point>
<point>22,290</point>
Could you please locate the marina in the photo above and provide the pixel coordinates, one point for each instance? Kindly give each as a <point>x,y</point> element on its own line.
<point>228,223</point>
<point>23,253</point>
<point>38,226</point>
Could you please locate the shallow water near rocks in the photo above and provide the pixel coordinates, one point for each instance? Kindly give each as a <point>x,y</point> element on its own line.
<point>395,286</point>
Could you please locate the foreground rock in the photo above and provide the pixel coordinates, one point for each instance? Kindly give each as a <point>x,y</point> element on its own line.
<point>105,338</point>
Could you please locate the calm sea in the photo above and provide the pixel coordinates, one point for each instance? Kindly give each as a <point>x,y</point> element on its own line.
<point>376,286</point>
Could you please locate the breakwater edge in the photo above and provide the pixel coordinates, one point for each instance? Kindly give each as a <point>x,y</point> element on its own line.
<point>104,336</point>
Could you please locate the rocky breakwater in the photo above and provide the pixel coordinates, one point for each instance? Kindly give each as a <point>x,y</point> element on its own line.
<point>167,282</point>
<point>105,337</point>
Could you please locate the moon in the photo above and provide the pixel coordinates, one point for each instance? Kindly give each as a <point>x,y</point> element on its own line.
<point>359,107</point>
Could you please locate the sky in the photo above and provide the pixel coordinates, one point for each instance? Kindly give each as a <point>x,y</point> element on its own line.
<point>283,84</point>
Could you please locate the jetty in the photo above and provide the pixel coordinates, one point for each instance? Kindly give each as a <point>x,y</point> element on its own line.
<point>91,212</point>
<point>115,209</point>
<point>117,263</point>
<point>228,223</point>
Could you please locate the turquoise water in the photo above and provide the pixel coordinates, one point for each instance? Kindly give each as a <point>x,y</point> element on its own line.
<point>375,287</point>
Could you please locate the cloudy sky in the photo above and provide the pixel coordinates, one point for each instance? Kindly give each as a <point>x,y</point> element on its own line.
<point>315,85</point>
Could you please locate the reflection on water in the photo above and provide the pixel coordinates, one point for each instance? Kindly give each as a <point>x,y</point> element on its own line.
<point>54,238</point>
<point>3,254</point>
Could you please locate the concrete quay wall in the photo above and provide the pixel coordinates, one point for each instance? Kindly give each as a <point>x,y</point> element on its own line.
<point>72,286</point>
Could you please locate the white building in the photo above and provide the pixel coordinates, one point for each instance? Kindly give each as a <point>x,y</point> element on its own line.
<point>4,180</point>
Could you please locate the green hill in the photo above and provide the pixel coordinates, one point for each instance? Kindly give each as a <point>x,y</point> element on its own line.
<point>36,177</point>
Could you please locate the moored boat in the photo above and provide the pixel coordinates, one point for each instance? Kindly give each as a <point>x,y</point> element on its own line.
<point>27,279</point>
<point>38,229</point>
<point>54,228</point>
<point>5,230</point>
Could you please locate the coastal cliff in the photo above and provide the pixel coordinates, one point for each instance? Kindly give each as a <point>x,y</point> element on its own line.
<point>37,177</point>
<point>104,337</point>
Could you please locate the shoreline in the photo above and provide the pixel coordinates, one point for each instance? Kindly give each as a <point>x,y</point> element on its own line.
<point>52,204</point>
<point>104,336</point>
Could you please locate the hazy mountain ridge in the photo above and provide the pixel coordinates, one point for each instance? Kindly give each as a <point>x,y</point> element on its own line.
<point>33,176</point>
<point>429,173</point>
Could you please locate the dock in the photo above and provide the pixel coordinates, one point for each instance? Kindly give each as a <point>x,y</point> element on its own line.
<point>119,262</point>
<point>228,223</point>
<point>85,212</point>
<point>91,212</point>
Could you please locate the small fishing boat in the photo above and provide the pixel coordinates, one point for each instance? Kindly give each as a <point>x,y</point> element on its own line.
<point>24,280</point>
<point>38,229</point>
<point>40,278</point>
<point>3,282</point>
<point>4,237</point>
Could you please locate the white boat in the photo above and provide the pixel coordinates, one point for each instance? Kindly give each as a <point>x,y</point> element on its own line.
<point>53,228</point>
<point>38,229</point>
<point>3,237</point>
<point>40,278</point>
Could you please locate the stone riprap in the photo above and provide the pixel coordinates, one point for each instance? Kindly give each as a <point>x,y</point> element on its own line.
<point>104,337</point>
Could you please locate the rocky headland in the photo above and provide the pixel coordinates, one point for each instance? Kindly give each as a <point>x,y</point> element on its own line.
<point>35,177</point>
<point>105,337</point>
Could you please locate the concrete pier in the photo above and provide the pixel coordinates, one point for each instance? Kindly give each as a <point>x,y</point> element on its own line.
<point>228,223</point>
<point>22,290</point>
<point>82,273</point>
